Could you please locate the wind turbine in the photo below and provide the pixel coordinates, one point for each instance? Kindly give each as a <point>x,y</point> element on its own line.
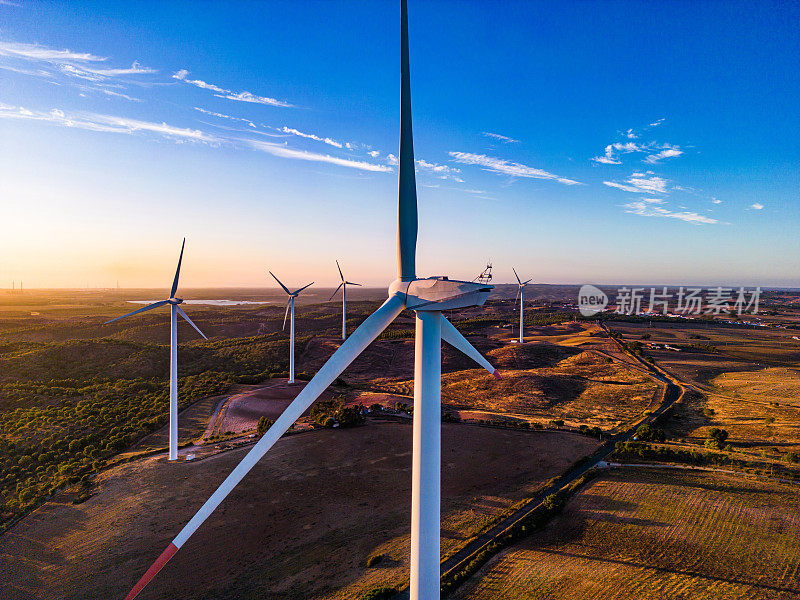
<point>290,304</point>
<point>428,298</point>
<point>343,285</point>
<point>175,310</point>
<point>520,295</point>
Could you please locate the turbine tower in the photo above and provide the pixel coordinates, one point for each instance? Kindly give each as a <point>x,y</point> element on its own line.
<point>343,286</point>
<point>520,295</point>
<point>290,305</point>
<point>175,310</point>
<point>428,298</point>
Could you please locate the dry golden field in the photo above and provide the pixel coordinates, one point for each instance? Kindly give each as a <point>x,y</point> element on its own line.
<point>748,382</point>
<point>637,534</point>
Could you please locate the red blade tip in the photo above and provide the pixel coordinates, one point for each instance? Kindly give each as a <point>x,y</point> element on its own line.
<point>152,571</point>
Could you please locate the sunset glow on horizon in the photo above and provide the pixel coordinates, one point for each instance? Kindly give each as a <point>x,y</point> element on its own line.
<point>567,156</point>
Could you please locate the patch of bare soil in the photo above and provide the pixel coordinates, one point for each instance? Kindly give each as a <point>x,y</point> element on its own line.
<point>299,526</point>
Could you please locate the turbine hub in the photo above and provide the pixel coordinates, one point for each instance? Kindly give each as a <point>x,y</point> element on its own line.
<point>175,301</point>
<point>440,293</point>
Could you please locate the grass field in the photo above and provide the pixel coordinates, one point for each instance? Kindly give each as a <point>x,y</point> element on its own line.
<point>748,382</point>
<point>650,535</point>
<point>300,526</point>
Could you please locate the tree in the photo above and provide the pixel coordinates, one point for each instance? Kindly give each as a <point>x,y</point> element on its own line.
<point>716,438</point>
<point>648,433</point>
<point>350,416</point>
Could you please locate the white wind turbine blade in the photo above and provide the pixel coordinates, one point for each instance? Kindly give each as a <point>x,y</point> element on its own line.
<point>189,321</point>
<point>140,310</point>
<point>336,290</point>
<point>286,314</point>
<point>302,288</point>
<point>174,289</point>
<point>527,282</point>
<point>407,185</point>
<point>515,275</point>
<point>285,289</point>
<point>519,289</point>
<point>456,339</point>
<point>351,283</point>
<point>338,362</point>
<point>340,271</point>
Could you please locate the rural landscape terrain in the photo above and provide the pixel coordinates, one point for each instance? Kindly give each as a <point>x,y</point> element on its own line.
<point>618,457</point>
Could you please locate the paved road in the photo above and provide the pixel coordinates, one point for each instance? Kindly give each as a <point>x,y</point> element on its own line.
<point>463,556</point>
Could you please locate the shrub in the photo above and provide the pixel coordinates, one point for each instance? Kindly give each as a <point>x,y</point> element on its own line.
<point>374,560</point>
<point>448,417</point>
<point>380,593</point>
<point>553,503</point>
<point>716,438</point>
<point>557,423</point>
<point>263,425</point>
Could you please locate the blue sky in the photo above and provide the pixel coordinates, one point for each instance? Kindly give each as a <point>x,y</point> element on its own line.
<point>606,142</point>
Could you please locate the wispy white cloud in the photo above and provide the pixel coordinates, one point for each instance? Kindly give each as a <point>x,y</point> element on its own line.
<point>222,116</point>
<point>42,53</point>
<point>613,152</point>
<point>114,124</point>
<point>441,171</point>
<point>641,183</point>
<point>756,206</point>
<point>391,159</point>
<point>504,167</point>
<point>657,123</point>
<point>669,152</point>
<point>503,138</point>
<point>253,99</point>
<point>311,136</point>
<point>716,201</point>
<point>36,73</point>
<point>286,152</point>
<point>96,75</point>
<point>81,65</point>
<point>607,160</point>
<point>120,95</point>
<point>647,209</point>
<point>105,123</point>
<point>10,3</point>
<point>373,153</point>
<point>182,75</point>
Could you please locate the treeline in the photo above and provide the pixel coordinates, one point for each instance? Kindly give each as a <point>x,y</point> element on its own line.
<point>67,408</point>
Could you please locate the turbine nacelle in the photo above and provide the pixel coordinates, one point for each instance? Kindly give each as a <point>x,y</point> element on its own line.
<point>175,301</point>
<point>440,293</point>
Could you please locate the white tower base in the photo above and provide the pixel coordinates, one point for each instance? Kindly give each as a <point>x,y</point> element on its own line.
<point>173,382</point>
<point>426,461</point>
<point>344,312</point>
<point>291,342</point>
